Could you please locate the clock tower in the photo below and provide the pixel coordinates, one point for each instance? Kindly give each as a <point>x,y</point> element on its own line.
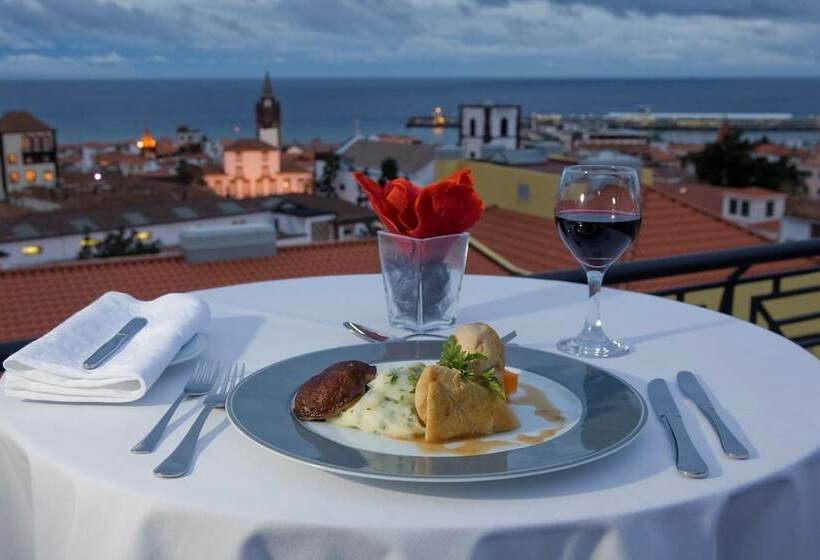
<point>268,117</point>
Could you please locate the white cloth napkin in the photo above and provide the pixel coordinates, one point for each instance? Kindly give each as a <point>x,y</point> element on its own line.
<point>50,368</point>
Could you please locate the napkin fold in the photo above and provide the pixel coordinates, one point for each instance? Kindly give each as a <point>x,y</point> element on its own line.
<point>50,368</point>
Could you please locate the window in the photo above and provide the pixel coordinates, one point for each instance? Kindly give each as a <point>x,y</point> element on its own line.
<point>31,175</point>
<point>504,127</point>
<point>48,176</point>
<point>286,185</point>
<point>472,127</point>
<point>732,206</point>
<point>744,208</point>
<point>769,208</point>
<point>31,250</point>
<point>523,192</point>
<point>14,176</point>
<point>12,159</point>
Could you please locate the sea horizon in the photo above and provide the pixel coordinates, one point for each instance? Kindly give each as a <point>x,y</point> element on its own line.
<point>332,109</point>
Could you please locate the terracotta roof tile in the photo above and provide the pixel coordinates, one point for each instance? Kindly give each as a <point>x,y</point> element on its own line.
<point>669,227</point>
<point>22,121</point>
<point>34,300</point>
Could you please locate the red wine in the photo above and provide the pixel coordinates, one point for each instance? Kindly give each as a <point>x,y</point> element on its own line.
<point>597,238</point>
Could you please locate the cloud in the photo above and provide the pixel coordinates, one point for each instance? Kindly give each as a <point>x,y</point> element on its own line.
<point>37,65</point>
<point>732,9</point>
<point>454,37</point>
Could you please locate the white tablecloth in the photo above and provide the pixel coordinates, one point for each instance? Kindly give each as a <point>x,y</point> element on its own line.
<point>70,489</point>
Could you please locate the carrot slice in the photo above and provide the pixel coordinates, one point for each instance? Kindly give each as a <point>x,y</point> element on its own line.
<point>510,382</point>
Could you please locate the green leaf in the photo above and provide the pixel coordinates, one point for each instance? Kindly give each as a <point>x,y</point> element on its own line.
<point>452,356</point>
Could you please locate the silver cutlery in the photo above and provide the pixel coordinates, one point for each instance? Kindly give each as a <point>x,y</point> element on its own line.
<point>687,458</point>
<point>200,382</point>
<point>178,463</point>
<point>115,343</point>
<point>370,335</point>
<point>692,388</point>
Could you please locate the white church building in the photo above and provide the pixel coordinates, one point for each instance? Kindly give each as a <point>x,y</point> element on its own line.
<point>488,125</point>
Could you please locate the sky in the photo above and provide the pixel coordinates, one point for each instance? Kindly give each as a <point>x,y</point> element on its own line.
<point>408,38</point>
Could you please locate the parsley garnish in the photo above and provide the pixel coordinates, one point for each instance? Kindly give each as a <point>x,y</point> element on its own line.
<point>452,356</point>
<point>393,378</point>
<point>413,378</point>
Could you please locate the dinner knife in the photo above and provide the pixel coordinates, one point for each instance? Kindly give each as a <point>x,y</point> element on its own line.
<point>687,458</point>
<point>113,344</point>
<point>692,388</point>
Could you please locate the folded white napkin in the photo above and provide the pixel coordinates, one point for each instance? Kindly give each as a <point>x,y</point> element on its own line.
<point>50,368</point>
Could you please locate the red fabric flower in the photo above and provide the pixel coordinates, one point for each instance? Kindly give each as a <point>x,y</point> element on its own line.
<point>447,207</point>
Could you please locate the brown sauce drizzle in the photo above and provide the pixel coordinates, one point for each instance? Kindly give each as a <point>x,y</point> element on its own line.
<point>543,435</point>
<point>535,397</point>
<point>475,446</point>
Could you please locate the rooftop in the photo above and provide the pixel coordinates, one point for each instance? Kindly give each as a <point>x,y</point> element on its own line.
<point>670,227</point>
<point>22,121</point>
<point>371,154</point>
<point>248,145</point>
<point>36,299</point>
<point>345,211</point>
<point>709,198</point>
<point>74,222</point>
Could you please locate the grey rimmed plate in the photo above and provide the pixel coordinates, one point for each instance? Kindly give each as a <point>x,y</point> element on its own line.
<point>604,413</point>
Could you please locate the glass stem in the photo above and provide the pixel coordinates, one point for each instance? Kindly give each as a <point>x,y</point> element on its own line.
<point>593,326</point>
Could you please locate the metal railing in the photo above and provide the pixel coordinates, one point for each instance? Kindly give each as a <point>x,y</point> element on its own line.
<point>739,260</point>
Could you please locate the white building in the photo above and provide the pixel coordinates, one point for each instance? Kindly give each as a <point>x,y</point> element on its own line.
<point>488,125</point>
<point>415,162</point>
<point>29,153</point>
<point>187,136</point>
<point>811,167</point>
<point>802,219</point>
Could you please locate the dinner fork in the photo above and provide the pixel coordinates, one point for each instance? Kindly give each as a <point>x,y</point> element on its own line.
<point>178,463</point>
<point>198,384</point>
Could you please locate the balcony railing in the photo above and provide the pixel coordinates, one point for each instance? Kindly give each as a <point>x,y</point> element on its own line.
<point>739,261</point>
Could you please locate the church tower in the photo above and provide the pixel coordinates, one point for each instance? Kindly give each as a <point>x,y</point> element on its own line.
<point>268,117</point>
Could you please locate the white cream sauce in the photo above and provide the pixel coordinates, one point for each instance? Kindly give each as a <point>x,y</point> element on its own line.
<point>388,407</point>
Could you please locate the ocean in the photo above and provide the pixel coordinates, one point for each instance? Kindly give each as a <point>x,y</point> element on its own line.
<point>331,109</point>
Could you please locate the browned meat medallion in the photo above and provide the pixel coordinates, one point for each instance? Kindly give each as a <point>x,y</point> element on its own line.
<point>333,391</point>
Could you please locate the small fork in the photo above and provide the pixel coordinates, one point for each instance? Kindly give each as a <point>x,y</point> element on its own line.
<point>198,384</point>
<point>178,463</point>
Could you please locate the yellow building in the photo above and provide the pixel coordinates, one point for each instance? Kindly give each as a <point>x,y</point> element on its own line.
<point>529,189</point>
<point>512,188</point>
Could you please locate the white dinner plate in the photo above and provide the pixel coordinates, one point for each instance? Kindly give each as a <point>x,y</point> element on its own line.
<point>602,414</point>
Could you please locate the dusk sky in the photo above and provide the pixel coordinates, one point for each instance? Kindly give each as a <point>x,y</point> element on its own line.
<point>392,38</point>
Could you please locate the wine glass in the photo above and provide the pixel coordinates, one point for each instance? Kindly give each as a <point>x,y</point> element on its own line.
<point>598,215</point>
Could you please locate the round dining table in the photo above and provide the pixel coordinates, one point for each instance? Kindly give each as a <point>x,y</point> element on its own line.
<point>70,489</point>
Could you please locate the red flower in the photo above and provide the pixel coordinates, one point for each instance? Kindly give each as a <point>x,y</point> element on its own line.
<point>447,207</point>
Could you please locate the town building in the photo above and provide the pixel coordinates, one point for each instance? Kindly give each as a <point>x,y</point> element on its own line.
<point>414,161</point>
<point>527,187</point>
<point>253,168</point>
<point>810,167</point>
<point>46,237</point>
<point>256,167</point>
<point>755,208</point>
<point>801,219</point>
<point>268,116</point>
<point>488,125</point>
<point>28,148</point>
<point>187,137</point>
